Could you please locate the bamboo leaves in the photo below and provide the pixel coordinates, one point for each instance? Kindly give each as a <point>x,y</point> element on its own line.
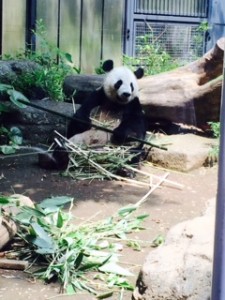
<point>82,257</point>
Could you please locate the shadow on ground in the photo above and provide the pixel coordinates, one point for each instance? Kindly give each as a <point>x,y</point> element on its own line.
<point>166,207</point>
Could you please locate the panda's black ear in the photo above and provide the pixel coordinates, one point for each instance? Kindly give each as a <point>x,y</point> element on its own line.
<point>139,73</point>
<point>107,65</point>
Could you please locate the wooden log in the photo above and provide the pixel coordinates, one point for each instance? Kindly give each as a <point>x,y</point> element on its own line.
<point>7,231</point>
<point>13,264</point>
<point>8,228</point>
<point>190,94</point>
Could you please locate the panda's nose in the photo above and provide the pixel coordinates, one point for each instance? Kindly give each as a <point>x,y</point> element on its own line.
<point>126,95</point>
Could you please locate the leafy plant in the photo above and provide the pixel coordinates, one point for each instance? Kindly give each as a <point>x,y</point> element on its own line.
<point>55,66</point>
<point>214,153</point>
<point>215,127</point>
<point>78,256</point>
<point>199,37</point>
<point>151,55</point>
<point>99,70</point>
<point>10,139</point>
<point>14,97</point>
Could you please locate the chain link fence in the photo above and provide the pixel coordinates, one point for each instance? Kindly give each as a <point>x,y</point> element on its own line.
<point>183,42</point>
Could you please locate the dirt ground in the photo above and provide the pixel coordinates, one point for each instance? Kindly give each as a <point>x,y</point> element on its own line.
<point>166,206</point>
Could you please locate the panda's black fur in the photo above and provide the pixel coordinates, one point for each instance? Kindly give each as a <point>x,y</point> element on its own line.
<point>120,87</point>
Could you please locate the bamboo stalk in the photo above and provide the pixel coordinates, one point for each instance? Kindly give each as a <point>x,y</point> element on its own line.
<point>117,177</point>
<point>143,199</point>
<point>178,185</point>
<point>86,154</point>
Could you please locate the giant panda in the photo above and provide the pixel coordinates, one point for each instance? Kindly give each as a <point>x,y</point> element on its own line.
<point>119,87</point>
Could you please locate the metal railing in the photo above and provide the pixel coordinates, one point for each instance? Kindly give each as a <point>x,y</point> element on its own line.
<point>190,8</point>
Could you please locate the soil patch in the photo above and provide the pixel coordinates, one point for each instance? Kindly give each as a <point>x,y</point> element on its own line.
<point>166,206</point>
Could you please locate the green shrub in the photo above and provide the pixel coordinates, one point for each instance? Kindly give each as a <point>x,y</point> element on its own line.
<point>214,153</point>
<point>151,56</point>
<point>55,66</point>
<point>215,127</point>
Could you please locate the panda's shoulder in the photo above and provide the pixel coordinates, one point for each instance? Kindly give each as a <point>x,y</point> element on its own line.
<point>99,92</point>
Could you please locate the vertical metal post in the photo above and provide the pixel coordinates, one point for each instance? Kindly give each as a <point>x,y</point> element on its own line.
<point>31,6</point>
<point>1,12</point>
<point>218,278</point>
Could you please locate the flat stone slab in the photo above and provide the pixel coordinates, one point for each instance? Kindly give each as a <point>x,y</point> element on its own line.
<point>185,152</point>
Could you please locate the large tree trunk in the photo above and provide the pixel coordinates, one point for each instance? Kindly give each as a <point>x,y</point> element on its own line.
<point>188,95</point>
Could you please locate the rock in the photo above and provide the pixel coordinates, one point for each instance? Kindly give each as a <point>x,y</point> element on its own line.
<point>37,125</point>
<point>80,86</point>
<point>185,152</point>
<point>182,267</point>
<point>10,69</point>
<point>91,137</point>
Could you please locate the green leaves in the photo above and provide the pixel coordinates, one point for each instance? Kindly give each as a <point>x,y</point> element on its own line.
<point>76,255</point>
<point>159,240</point>
<point>4,200</point>
<point>114,268</point>
<point>14,135</point>
<point>15,138</point>
<point>5,87</point>
<point>7,149</point>
<point>40,238</point>
<point>55,201</point>
<point>15,96</point>
<point>53,65</point>
<point>3,108</point>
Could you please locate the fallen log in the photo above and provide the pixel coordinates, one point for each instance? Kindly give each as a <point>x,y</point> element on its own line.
<point>7,231</point>
<point>13,264</point>
<point>190,94</point>
<point>8,227</point>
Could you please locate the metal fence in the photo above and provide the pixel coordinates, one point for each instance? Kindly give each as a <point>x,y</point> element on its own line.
<point>191,8</point>
<point>183,42</point>
<point>173,25</point>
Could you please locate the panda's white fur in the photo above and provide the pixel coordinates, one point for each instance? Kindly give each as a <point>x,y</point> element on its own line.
<point>128,87</point>
<point>120,86</point>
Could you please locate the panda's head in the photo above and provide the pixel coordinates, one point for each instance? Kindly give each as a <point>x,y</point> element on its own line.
<point>120,84</point>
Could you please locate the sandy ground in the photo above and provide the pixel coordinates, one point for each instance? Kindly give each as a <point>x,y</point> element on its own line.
<point>166,206</point>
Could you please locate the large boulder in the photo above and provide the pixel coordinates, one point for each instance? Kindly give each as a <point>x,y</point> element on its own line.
<point>185,152</point>
<point>38,126</point>
<point>182,267</point>
<point>11,69</point>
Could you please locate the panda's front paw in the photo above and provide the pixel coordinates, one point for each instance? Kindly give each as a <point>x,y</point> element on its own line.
<point>119,137</point>
<point>77,125</point>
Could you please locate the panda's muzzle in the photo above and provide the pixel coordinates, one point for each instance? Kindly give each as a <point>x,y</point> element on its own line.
<point>126,95</point>
<point>124,98</point>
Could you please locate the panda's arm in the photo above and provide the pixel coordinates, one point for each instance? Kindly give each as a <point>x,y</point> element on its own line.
<point>95,99</point>
<point>132,123</point>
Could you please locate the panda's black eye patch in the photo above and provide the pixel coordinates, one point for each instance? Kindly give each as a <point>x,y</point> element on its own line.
<point>132,87</point>
<point>118,84</point>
